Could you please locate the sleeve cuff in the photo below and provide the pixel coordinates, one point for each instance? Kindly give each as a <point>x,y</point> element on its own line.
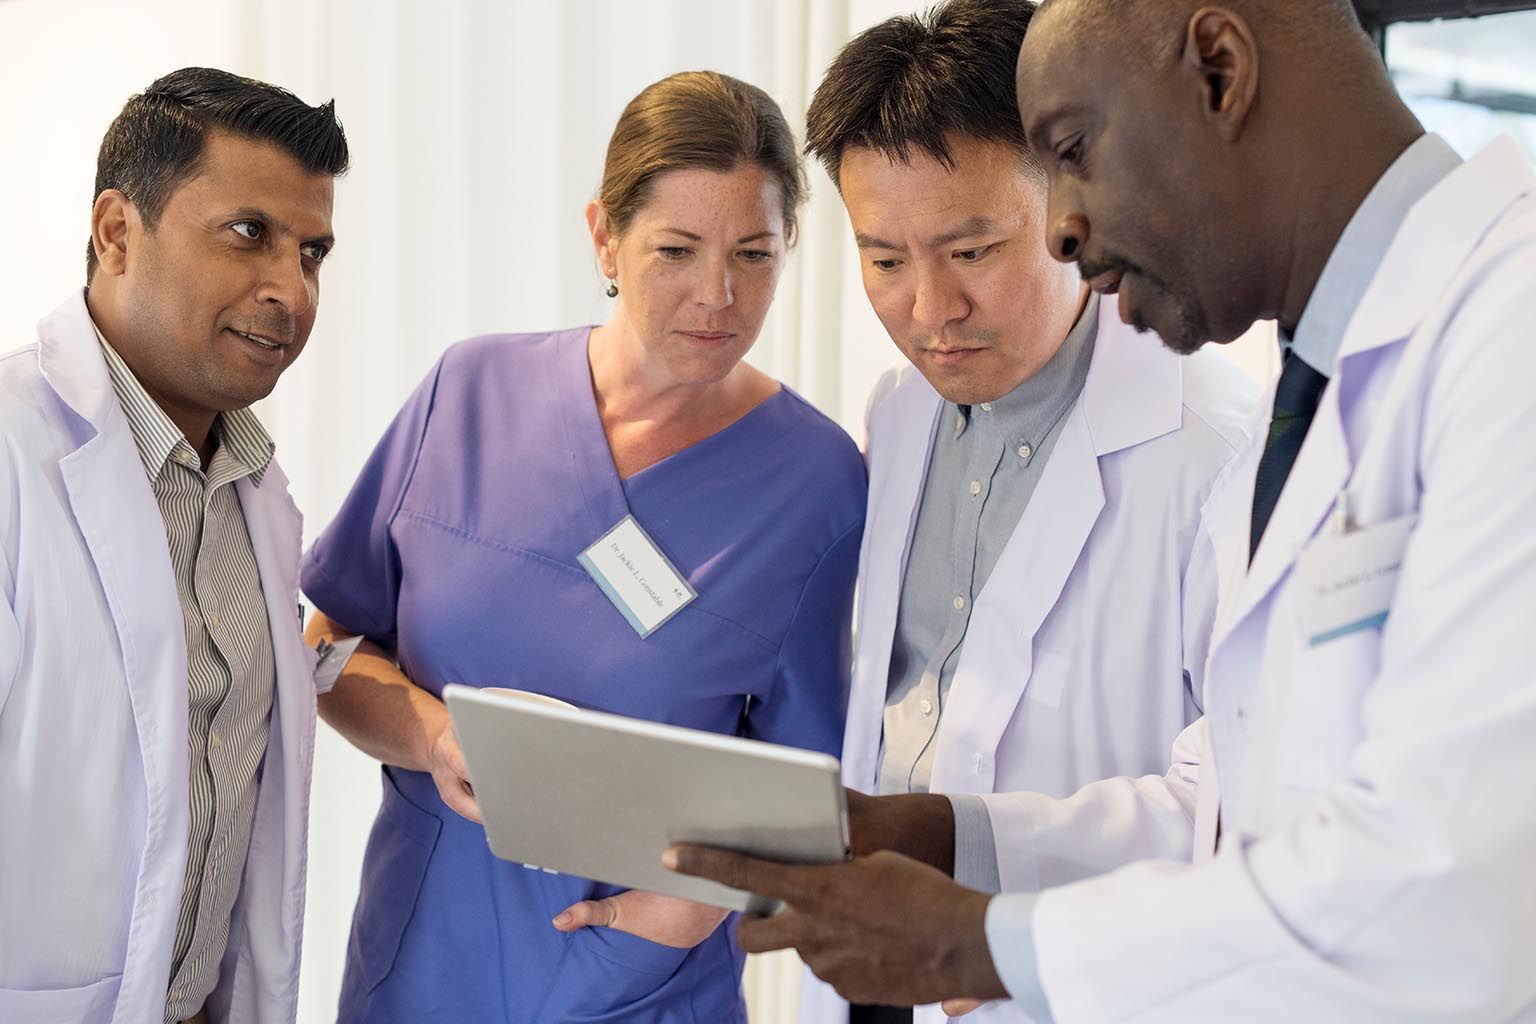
<point>975,846</point>
<point>1011,940</point>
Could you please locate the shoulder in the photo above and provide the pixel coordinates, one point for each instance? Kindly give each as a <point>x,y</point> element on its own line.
<point>467,362</point>
<point>1220,398</point>
<point>30,413</point>
<point>821,444</point>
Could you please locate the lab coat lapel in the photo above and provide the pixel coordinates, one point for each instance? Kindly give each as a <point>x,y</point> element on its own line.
<point>1435,239</point>
<point>897,470</point>
<point>1133,393</point>
<point>115,510</point>
<point>272,897</point>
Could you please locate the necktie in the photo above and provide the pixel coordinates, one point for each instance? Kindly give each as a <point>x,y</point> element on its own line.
<point>1295,404</point>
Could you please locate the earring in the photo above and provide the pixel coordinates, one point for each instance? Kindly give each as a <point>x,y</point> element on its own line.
<point>612,291</point>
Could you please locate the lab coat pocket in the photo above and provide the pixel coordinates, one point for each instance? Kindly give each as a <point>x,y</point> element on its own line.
<point>88,1004</point>
<point>394,866</point>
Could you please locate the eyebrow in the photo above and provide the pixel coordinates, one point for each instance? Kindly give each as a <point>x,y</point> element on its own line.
<point>1037,135</point>
<point>970,228</point>
<point>699,238</point>
<point>258,214</point>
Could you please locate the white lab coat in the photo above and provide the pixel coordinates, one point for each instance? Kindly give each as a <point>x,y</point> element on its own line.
<point>1378,830</point>
<point>1087,645</point>
<point>93,715</point>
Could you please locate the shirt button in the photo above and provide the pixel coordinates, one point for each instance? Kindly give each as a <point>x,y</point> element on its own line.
<point>925,706</point>
<point>959,603</point>
<point>986,406</point>
<point>1025,451</point>
<point>960,422</point>
<point>213,620</point>
<point>975,488</point>
<point>214,741</point>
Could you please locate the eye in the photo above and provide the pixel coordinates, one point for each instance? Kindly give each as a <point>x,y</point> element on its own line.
<point>251,229</point>
<point>885,266</point>
<point>756,255</point>
<point>974,255</point>
<point>316,251</point>
<point>1071,155</point>
<point>673,252</point>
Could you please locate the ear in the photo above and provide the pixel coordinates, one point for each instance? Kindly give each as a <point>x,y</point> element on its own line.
<point>1222,54</point>
<point>603,241</point>
<point>113,219</point>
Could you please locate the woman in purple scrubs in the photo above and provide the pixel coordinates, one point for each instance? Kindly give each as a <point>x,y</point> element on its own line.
<point>456,558</point>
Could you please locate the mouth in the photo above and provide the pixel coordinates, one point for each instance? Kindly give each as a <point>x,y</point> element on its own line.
<point>260,340</point>
<point>709,337</point>
<point>1107,283</point>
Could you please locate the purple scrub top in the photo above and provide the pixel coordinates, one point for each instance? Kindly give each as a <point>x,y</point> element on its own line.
<point>457,551</point>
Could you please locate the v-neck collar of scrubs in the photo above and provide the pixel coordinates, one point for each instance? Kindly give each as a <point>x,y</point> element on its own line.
<point>605,495</point>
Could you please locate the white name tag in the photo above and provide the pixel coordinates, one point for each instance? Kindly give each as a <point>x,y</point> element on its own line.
<point>637,577</point>
<point>1350,578</point>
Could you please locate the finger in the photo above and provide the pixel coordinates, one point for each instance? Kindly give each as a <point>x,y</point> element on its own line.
<point>961,1007</point>
<point>587,914</point>
<point>787,929</point>
<point>461,799</point>
<point>782,881</point>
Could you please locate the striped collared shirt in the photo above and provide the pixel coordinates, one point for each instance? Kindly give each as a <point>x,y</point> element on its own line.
<point>230,669</point>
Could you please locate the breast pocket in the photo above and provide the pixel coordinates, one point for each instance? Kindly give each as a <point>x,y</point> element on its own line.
<point>87,1004</point>
<point>1322,700</point>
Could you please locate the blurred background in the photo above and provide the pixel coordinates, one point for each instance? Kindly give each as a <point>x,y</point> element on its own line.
<point>477,132</point>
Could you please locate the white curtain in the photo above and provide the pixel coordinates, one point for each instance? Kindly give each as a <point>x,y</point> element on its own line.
<point>477,133</point>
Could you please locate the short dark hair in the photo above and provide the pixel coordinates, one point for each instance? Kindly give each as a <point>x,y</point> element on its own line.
<point>155,144</point>
<point>698,119</point>
<point>912,80</point>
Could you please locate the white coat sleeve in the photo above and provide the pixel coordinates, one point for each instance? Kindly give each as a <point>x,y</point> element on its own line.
<point>10,646</point>
<point>1405,892</point>
<point>1044,842</point>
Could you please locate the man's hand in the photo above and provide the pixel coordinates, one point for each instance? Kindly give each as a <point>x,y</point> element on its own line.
<point>880,929</point>
<point>916,825</point>
<point>450,773</point>
<point>664,919</point>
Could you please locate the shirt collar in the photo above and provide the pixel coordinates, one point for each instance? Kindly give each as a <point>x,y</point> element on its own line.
<point>158,439</point>
<point>1028,412</point>
<point>1363,246</point>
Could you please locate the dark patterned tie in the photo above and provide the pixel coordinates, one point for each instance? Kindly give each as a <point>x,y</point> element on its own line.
<point>1295,404</point>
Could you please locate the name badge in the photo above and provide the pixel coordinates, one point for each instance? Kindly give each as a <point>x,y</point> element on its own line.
<point>645,587</point>
<point>1350,578</point>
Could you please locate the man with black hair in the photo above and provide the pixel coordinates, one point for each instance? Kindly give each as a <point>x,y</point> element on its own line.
<point>157,703</point>
<point>1038,581</point>
<point>1363,842</point>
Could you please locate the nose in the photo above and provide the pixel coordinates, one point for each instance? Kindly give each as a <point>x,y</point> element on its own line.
<point>715,289</point>
<point>287,284</point>
<point>1066,231</point>
<point>939,300</point>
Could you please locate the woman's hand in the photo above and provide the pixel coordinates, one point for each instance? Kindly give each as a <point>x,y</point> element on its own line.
<point>446,762</point>
<point>668,920</point>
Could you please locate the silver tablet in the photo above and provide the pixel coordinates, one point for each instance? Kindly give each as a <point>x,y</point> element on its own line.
<point>601,796</point>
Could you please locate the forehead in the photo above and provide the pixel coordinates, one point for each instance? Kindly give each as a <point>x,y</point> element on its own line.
<point>1059,67</point>
<point>700,196</point>
<point>236,173</point>
<point>986,180</point>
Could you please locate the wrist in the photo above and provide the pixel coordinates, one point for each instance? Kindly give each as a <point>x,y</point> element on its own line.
<point>967,968</point>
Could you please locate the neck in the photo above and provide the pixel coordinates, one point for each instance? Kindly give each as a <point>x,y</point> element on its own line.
<point>629,389</point>
<point>196,425</point>
<point>1356,153</point>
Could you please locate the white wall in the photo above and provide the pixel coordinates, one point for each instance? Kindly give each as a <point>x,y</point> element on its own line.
<point>477,133</point>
